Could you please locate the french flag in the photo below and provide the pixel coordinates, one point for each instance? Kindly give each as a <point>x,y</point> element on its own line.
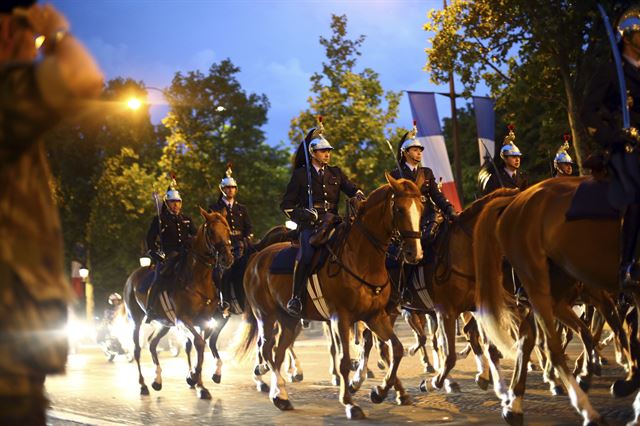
<point>486,126</point>
<point>423,109</point>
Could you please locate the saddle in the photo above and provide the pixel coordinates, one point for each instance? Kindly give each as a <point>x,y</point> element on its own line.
<point>591,201</point>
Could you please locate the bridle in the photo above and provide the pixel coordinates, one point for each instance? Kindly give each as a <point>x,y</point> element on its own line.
<point>211,257</point>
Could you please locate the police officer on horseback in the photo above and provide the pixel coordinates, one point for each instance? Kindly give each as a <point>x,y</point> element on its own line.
<point>168,238</point>
<point>236,213</point>
<point>307,204</point>
<point>613,119</point>
<point>562,162</point>
<point>492,177</point>
<point>410,152</point>
<point>240,224</point>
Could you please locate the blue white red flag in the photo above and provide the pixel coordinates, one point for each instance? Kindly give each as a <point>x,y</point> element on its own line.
<point>425,113</point>
<point>486,125</point>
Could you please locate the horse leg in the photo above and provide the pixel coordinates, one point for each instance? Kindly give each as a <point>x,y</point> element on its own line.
<point>144,390</point>
<point>513,412</point>
<point>499,386</point>
<point>333,350</point>
<point>153,348</point>
<point>483,378</point>
<point>260,369</point>
<point>341,330</point>
<point>196,374</point>
<point>287,336</point>
<point>565,314</point>
<point>447,326</point>
<point>432,324</point>
<point>382,326</point>
<point>361,373</point>
<point>221,321</point>
<point>417,323</point>
<point>295,368</point>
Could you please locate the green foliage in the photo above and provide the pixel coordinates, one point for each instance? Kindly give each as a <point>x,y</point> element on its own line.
<point>536,57</point>
<point>356,110</point>
<point>120,215</point>
<point>212,122</point>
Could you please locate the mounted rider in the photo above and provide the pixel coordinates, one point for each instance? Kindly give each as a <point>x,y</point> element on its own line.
<point>409,154</point>
<point>492,177</point>
<point>606,119</point>
<point>168,238</point>
<point>240,224</point>
<point>307,204</point>
<point>562,162</point>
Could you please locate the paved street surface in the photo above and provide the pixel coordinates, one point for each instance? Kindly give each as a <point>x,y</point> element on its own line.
<point>95,391</point>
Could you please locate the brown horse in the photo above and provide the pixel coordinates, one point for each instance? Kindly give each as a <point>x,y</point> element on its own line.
<point>354,284</point>
<point>194,296</point>
<point>536,238</point>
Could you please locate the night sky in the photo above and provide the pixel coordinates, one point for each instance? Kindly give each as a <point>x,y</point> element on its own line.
<point>275,43</point>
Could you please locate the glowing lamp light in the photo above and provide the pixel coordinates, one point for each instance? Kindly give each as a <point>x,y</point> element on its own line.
<point>145,261</point>
<point>220,108</point>
<point>291,225</point>
<point>39,41</point>
<point>84,272</point>
<point>134,104</point>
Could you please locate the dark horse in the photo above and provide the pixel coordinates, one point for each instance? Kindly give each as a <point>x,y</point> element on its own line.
<point>194,295</point>
<point>354,286</point>
<point>543,247</point>
<point>277,234</point>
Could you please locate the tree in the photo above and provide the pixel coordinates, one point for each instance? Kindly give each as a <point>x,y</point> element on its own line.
<point>535,56</point>
<point>212,121</point>
<point>120,215</point>
<point>355,108</point>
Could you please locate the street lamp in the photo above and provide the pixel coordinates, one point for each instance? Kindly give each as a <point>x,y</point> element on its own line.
<point>88,292</point>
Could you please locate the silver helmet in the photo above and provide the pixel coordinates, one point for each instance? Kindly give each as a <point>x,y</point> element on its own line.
<point>227,180</point>
<point>410,140</point>
<point>509,148</point>
<point>318,141</point>
<point>172,193</point>
<point>629,22</point>
<point>562,156</point>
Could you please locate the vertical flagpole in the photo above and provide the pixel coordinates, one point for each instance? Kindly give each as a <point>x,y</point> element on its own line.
<point>457,170</point>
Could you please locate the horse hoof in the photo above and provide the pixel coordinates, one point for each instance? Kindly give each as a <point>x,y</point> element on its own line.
<point>598,422</point>
<point>377,396</point>
<point>514,419</point>
<point>404,399</point>
<point>584,383</point>
<point>604,361</point>
<point>295,378</point>
<point>370,374</point>
<point>453,387</point>
<point>354,412</point>
<point>216,378</point>
<point>335,381</point>
<point>354,365</point>
<point>156,386</point>
<point>263,387</point>
<point>381,365</point>
<point>144,390</point>
<point>597,370</point>
<point>353,389</point>
<point>204,394</point>
<point>482,383</point>
<point>191,382</point>
<point>429,369</point>
<point>423,386</point>
<point>557,390</point>
<point>282,404</point>
<point>260,370</point>
<point>623,388</point>
<point>532,367</point>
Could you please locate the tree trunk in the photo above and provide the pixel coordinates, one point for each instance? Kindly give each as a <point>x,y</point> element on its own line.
<point>578,134</point>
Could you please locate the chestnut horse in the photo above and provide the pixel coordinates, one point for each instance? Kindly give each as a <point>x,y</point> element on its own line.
<point>354,284</point>
<point>544,248</point>
<point>194,295</point>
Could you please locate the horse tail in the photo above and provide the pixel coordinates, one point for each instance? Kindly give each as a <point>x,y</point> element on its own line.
<point>493,302</point>
<point>247,337</point>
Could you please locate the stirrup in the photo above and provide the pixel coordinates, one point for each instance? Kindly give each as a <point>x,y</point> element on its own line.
<point>294,307</point>
<point>630,277</point>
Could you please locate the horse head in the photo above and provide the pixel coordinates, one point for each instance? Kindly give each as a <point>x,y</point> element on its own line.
<point>406,211</point>
<point>214,239</point>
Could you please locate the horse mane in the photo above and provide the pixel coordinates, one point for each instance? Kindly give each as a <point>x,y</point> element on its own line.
<point>475,207</point>
<point>276,234</point>
<point>381,193</point>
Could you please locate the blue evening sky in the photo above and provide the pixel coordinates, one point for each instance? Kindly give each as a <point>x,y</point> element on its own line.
<point>274,42</point>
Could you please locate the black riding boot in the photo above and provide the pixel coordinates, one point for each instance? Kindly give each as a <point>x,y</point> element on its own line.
<point>630,248</point>
<point>152,298</point>
<point>300,275</point>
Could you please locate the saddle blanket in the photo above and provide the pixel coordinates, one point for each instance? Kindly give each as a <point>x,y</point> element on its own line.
<point>147,280</point>
<point>168,307</point>
<point>591,201</point>
<point>285,259</point>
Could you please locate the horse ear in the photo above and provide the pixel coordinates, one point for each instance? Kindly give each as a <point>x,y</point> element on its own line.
<point>204,214</point>
<point>395,185</point>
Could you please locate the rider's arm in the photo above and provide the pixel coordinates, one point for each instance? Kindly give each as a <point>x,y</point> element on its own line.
<point>152,235</point>
<point>291,198</point>
<point>601,112</point>
<point>347,186</point>
<point>248,228</point>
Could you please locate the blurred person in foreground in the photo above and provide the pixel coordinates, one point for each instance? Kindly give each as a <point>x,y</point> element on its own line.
<point>45,74</point>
